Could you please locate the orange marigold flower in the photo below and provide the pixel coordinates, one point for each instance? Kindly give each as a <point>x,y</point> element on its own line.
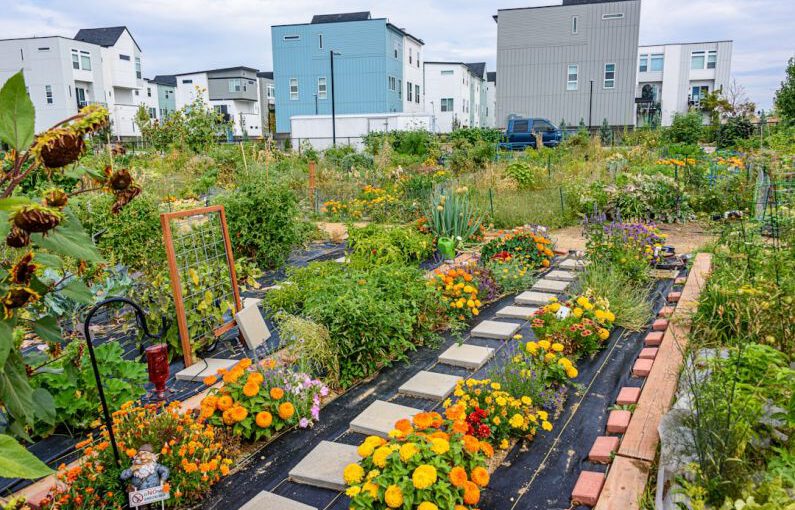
<point>277,393</point>
<point>471,493</point>
<point>239,413</point>
<point>403,425</point>
<point>455,412</point>
<point>131,452</point>
<point>423,420</point>
<point>210,380</point>
<point>264,419</point>
<point>224,403</point>
<point>480,476</point>
<point>458,476</point>
<point>286,410</point>
<point>250,389</point>
<point>487,449</point>
<point>471,444</point>
<point>460,426</point>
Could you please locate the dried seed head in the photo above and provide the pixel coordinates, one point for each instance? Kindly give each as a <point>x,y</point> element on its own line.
<point>36,218</point>
<point>17,297</point>
<point>120,180</point>
<point>59,147</point>
<point>17,238</point>
<point>23,271</point>
<point>56,198</point>
<point>125,197</point>
<point>92,118</point>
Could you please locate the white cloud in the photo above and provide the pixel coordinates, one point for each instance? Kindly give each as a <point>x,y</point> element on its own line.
<point>182,35</point>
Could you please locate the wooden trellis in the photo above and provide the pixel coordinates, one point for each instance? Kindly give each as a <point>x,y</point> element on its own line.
<point>197,240</point>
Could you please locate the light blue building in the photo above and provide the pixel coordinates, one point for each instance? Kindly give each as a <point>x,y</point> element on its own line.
<point>372,58</point>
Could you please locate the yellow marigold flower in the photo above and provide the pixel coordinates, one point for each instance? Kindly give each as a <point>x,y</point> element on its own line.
<point>380,455</point>
<point>496,420</point>
<point>577,312</point>
<point>440,446</point>
<point>372,474</point>
<point>565,363</point>
<point>553,307</point>
<point>604,334</point>
<point>424,476</point>
<point>517,421</point>
<point>371,489</point>
<point>407,451</point>
<point>557,347</point>
<point>504,444</point>
<point>501,401</point>
<point>549,357</point>
<point>544,344</point>
<point>393,497</point>
<point>543,415</point>
<point>427,505</point>
<point>531,347</point>
<point>353,491</point>
<point>353,474</point>
<point>546,425</point>
<point>572,372</point>
<point>611,317</point>
<point>527,400</point>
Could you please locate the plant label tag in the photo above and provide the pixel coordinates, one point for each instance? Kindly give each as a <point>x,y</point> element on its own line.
<point>563,312</point>
<point>146,496</point>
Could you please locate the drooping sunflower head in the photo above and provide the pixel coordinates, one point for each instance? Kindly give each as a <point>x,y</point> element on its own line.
<point>17,297</point>
<point>17,238</point>
<point>56,198</point>
<point>36,218</point>
<point>23,270</point>
<point>59,147</point>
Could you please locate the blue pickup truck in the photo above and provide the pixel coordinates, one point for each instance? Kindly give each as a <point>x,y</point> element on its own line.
<point>521,134</point>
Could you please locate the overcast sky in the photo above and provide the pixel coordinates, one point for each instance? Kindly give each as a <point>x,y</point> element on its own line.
<point>187,35</point>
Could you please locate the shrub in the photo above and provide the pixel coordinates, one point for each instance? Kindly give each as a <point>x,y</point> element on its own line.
<point>259,403</point>
<point>687,128</point>
<point>628,298</point>
<point>263,221</point>
<point>733,131</point>
<point>525,175</point>
<point>512,274</point>
<point>311,345</point>
<point>628,247</point>
<point>377,244</point>
<point>532,249</point>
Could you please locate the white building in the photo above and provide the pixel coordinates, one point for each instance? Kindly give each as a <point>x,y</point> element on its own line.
<point>673,78</point>
<point>491,99</point>
<point>232,92</point>
<point>413,101</point>
<point>100,65</point>
<point>455,95</point>
<point>351,128</point>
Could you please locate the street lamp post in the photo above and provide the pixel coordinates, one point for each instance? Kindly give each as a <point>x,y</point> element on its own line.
<point>333,102</point>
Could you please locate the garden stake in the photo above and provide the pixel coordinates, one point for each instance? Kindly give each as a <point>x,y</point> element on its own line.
<point>491,202</point>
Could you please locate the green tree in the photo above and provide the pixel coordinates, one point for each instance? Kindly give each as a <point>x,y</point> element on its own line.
<point>605,133</point>
<point>686,128</point>
<point>785,96</point>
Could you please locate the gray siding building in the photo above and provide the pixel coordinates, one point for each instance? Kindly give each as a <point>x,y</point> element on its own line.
<point>569,62</point>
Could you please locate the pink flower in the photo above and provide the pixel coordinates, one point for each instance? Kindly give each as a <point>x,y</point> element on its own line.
<point>304,423</point>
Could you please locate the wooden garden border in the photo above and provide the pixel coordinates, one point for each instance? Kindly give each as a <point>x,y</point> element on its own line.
<point>176,284</point>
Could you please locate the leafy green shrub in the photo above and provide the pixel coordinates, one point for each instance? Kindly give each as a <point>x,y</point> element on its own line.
<point>377,244</point>
<point>523,173</point>
<point>263,221</point>
<point>477,134</point>
<point>132,237</point>
<point>467,156</point>
<point>733,131</point>
<point>687,128</point>
<point>374,315</point>
<point>70,380</point>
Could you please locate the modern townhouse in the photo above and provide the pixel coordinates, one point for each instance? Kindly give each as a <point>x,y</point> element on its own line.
<point>267,101</point>
<point>491,99</point>
<point>373,63</point>
<point>674,78</point>
<point>455,94</point>
<point>232,92</point>
<point>99,65</point>
<point>575,61</point>
<point>160,94</point>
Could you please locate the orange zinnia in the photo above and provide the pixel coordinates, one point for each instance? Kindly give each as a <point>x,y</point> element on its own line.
<point>471,444</point>
<point>458,476</point>
<point>264,419</point>
<point>210,380</point>
<point>454,413</point>
<point>487,449</point>
<point>250,389</point>
<point>423,420</point>
<point>480,476</point>
<point>286,410</point>
<point>403,425</point>
<point>238,413</point>
<point>224,403</point>
<point>277,393</point>
<point>471,493</point>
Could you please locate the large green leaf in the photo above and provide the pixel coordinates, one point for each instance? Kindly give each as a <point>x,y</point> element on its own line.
<point>47,328</point>
<point>69,239</point>
<point>6,204</point>
<point>6,341</point>
<point>15,391</point>
<point>49,260</point>
<point>44,406</point>
<point>77,290</point>
<point>17,462</point>
<point>17,117</point>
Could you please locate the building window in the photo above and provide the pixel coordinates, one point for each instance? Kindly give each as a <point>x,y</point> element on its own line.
<point>320,41</point>
<point>269,91</point>
<point>392,83</point>
<point>138,68</point>
<point>712,59</point>
<point>124,57</point>
<point>610,76</point>
<point>697,60</point>
<point>417,94</point>
<point>187,81</point>
<point>148,91</point>
<point>657,61</point>
<point>409,91</point>
<point>292,37</point>
<point>400,89</point>
<point>572,77</point>
<point>698,93</point>
<point>45,49</point>
<point>293,89</point>
<point>574,24</point>
<point>235,85</point>
<point>447,72</point>
<point>321,87</point>
<point>613,15</point>
<point>152,113</point>
<point>137,92</point>
<point>75,60</point>
<point>48,93</point>
<point>85,61</point>
<point>411,55</point>
<point>644,63</point>
<point>395,48</point>
<point>447,104</point>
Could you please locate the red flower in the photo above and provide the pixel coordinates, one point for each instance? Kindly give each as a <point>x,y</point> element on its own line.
<point>483,431</point>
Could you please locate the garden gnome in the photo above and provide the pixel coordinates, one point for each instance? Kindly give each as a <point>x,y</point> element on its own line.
<point>145,472</point>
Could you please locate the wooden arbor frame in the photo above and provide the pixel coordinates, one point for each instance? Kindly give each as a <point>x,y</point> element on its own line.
<point>176,282</point>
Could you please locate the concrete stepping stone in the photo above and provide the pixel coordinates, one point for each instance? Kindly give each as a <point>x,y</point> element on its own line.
<point>341,260</point>
<point>618,421</point>
<point>323,466</point>
<point>603,449</point>
<point>575,264</point>
<point>587,489</point>
<point>430,385</point>
<point>379,418</point>
<point>545,285</point>
<point>628,395</point>
<point>466,355</point>
<point>563,276</point>
<point>680,280</point>
<point>533,298</point>
<point>516,312</point>
<point>202,368</point>
<point>266,500</point>
<point>495,329</point>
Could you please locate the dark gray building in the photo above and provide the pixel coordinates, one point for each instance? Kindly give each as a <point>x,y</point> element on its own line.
<point>569,62</point>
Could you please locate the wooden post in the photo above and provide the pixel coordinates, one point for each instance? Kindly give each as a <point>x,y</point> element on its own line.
<point>312,182</point>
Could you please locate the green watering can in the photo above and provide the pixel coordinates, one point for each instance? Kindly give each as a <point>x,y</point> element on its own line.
<point>446,246</point>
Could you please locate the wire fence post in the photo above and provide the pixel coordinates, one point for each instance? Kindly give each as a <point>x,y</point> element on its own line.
<point>491,202</point>
<point>562,209</point>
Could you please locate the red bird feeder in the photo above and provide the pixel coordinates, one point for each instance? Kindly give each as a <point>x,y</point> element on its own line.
<point>157,364</point>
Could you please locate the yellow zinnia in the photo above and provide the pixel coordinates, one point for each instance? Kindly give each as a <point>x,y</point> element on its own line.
<point>424,476</point>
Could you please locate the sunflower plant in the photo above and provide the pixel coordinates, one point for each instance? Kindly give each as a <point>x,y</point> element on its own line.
<point>581,324</point>
<point>41,233</point>
<point>258,402</point>
<point>427,463</point>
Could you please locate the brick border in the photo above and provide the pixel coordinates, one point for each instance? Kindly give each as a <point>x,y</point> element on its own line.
<point>627,476</point>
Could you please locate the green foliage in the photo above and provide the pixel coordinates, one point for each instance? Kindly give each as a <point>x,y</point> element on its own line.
<point>628,298</point>
<point>311,345</point>
<point>17,462</point>
<point>785,95</point>
<point>733,131</point>
<point>376,244</point>
<point>514,275</point>
<point>71,380</point>
<point>195,126</point>
<point>344,158</point>
<point>413,142</point>
<point>263,219</point>
<point>374,315</point>
<point>686,128</point>
<point>605,133</point>
<point>525,175</point>
<point>468,156</point>
<point>452,214</point>
<point>16,114</point>
<point>477,134</point>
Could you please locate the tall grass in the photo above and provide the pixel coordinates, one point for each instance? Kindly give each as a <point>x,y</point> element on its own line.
<point>629,299</point>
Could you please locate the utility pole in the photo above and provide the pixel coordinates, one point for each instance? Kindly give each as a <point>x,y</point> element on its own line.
<point>333,103</point>
<point>590,108</point>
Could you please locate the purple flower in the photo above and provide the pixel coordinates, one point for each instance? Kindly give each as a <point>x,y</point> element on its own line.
<point>304,423</point>
<point>315,412</point>
<point>323,391</point>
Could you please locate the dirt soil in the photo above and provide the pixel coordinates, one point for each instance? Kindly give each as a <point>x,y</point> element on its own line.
<point>685,238</point>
